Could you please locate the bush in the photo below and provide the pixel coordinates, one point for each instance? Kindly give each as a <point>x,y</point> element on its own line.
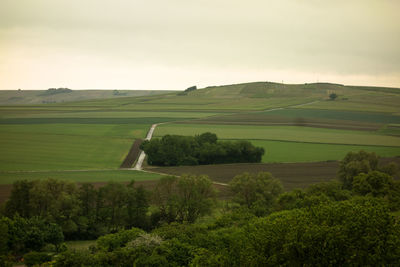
<point>34,258</point>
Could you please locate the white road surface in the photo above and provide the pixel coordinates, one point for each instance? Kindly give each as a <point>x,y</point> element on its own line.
<point>142,155</point>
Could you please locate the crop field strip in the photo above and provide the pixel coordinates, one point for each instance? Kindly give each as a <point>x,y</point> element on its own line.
<point>283,133</point>
<point>43,151</point>
<point>283,151</point>
<point>313,115</point>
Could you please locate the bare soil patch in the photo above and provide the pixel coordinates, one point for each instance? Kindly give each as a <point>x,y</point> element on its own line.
<point>292,175</point>
<point>132,155</point>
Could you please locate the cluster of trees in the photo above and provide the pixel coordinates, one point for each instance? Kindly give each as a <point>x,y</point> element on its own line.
<point>345,222</point>
<point>82,212</point>
<point>174,150</point>
<point>53,91</point>
<point>189,89</point>
<point>45,212</point>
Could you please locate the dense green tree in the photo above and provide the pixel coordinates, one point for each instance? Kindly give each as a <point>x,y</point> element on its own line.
<point>333,96</point>
<point>87,196</point>
<point>172,150</point>
<point>347,233</point>
<point>20,199</point>
<point>25,234</point>
<point>195,197</point>
<point>111,242</point>
<point>75,258</point>
<point>207,137</point>
<point>291,200</point>
<point>4,236</point>
<point>257,192</point>
<point>333,190</point>
<point>36,258</point>
<point>54,235</point>
<point>137,206</point>
<point>393,196</point>
<point>111,205</point>
<point>355,163</point>
<point>184,198</point>
<point>374,183</point>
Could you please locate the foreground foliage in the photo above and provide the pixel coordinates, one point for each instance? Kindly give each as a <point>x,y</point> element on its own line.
<point>353,232</point>
<point>328,224</point>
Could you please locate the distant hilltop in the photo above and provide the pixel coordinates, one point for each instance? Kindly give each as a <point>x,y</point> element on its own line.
<point>61,95</point>
<point>237,92</point>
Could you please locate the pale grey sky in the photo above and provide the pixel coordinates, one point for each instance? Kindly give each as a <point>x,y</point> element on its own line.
<point>173,44</point>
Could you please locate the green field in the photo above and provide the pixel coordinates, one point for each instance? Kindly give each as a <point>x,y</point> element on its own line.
<point>79,176</point>
<point>278,151</point>
<point>283,133</point>
<point>95,114</point>
<point>364,101</point>
<point>66,146</point>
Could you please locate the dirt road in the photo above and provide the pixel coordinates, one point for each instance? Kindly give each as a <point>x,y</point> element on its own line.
<point>142,155</point>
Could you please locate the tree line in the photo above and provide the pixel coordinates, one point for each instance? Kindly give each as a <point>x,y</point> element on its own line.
<point>346,222</point>
<point>174,150</point>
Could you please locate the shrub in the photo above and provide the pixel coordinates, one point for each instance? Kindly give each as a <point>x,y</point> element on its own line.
<point>35,258</point>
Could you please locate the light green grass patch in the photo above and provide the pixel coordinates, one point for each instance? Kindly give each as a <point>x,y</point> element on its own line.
<point>372,117</point>
<point>277,151</point>
<point>80,176</point>
<point>80,245</point>
<point>66,146</point>
<point>282,133</point>
<point>365,101</point>
<point>105,114</point>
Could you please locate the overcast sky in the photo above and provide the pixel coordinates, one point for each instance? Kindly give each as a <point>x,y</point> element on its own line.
<point>174,44</point>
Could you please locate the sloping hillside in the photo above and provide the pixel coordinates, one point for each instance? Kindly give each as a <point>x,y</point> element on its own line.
<point>263,95</point>
<point>24,97</point>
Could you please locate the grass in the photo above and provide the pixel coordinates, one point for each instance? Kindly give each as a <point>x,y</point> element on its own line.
<point>282,133</point>
<point>80,176</point>
<point>13,113</point>
<point>66,146</point>
<point>305,117</point>
<point>278,151</point>
<point>13,97</point>
<point>372,117</point>
<point>366,101</point>
<point>80,245</point>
